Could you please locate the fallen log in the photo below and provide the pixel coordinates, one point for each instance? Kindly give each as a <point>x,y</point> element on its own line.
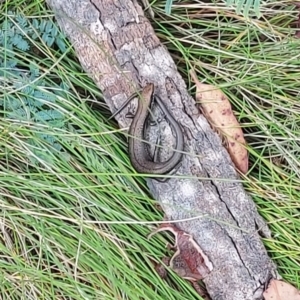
<point>118,48</point>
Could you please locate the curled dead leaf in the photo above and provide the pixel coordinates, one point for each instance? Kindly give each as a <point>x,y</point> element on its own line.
<point>189,261</point>
<point>217,110</point>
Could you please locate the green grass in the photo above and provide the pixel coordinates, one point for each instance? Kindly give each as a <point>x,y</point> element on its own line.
<point>74,225</point>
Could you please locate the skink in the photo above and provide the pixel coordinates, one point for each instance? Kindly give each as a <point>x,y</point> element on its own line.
<point>139,156</point>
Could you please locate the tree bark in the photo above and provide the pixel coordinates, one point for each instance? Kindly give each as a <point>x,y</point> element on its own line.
<point>118,48</point>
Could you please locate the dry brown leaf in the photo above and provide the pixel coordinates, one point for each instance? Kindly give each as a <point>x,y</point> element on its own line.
<point>189,261</point>
<point>217,110</point>
<point>280,290</point>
